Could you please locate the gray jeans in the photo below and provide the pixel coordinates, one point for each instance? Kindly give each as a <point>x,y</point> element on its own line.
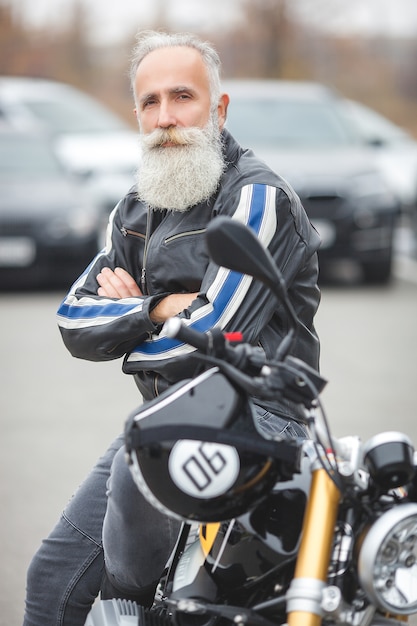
<point>106,523</point>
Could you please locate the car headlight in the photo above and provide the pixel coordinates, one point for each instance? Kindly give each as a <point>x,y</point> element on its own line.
<point>387,564</point>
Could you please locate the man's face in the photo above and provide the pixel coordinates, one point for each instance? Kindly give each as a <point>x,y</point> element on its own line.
<point>172,90</point>
<point>181,148</point>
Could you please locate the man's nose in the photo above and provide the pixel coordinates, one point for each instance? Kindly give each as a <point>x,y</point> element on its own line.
<point>166,117</point>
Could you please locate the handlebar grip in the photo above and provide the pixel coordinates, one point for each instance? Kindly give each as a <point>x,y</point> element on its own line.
<point>176,329</point>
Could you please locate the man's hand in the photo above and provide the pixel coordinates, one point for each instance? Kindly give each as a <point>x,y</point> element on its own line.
<point>120,284</point>
<point>171,305</point>
<point>117,284</point>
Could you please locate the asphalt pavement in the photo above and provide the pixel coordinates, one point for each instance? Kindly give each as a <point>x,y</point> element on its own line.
<point>57,413</point>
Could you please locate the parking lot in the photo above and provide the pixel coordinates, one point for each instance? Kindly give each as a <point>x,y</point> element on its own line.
<point>57,414</point>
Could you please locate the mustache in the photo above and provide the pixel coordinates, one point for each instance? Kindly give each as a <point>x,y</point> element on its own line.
<point>174,135</point>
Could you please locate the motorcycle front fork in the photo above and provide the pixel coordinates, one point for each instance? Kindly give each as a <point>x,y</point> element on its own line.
<point>305,592</point>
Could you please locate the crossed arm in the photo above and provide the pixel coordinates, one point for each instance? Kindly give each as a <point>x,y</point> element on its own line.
<point>120,284</point>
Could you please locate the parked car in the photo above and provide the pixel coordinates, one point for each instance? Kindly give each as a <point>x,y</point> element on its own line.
<point>90,140</point>
<point>302,131</point>
<point>49,227</point>
<point>395,150</point>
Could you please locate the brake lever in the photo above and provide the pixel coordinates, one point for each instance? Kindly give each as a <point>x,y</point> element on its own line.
<point>295,380</point>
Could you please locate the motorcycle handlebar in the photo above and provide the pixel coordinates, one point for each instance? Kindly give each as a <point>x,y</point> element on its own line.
<point>248,367</point>
<point>175,329</point>
<point>243,363</point>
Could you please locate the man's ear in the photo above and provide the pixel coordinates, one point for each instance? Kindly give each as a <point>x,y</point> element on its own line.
<point>135,113</point>
<point>222,109</point>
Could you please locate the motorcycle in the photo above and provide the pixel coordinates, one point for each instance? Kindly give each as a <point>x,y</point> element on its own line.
<point>299,532</point>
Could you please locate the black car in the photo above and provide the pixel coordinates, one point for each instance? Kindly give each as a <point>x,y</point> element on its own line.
<point>303,132</point>
<point>49,229</point>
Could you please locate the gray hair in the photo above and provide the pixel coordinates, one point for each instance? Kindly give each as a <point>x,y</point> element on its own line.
<point>148,41</point>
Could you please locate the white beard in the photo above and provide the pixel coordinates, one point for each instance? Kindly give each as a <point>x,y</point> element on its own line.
<point>179,177</point>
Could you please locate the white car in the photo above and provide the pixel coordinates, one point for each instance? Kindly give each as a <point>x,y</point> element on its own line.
<point>90,140</point>
<point>394,149</point>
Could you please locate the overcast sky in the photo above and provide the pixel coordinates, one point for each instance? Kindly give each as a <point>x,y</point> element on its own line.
<point>114,19</point>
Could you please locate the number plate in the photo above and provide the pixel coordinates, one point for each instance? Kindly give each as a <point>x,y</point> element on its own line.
<point>16,251</point>
<point>203,469</point>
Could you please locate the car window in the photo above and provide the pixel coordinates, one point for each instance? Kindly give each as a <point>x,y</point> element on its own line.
<point>74,114</point>
<point>287,123</point>
<point>373,126</point>
<point>26,156</point>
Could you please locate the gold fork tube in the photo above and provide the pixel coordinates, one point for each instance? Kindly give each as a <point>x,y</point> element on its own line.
<point>314,553</point>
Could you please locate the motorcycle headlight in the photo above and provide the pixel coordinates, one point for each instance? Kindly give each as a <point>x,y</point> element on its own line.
<point>387,564</point>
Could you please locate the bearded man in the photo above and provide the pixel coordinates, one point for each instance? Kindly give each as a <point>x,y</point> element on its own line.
<point>154,266</point>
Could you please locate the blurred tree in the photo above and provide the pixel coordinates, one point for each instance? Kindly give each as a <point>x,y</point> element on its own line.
<point>403,54</point>
<point>273,39</point>
<point>64,54</point>
<point>282,39</point>
<point>269,48</point>
<point>73,48</point>
<point>13,37</point>
<point>49,53</point>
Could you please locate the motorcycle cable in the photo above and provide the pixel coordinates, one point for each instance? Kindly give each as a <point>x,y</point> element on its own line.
<point>271,572</point>
<point>331,468</point>
<point>273,603</point>
<point>314,393</point>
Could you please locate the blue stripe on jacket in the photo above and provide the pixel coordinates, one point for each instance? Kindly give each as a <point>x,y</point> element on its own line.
<point>162,345</point>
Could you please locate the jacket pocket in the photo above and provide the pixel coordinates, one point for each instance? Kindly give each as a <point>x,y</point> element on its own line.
<point>189,233</point>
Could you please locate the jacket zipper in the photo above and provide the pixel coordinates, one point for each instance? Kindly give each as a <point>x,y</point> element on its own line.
<point>145,254</point>
<point>127,231</point>
<point>186,234</point>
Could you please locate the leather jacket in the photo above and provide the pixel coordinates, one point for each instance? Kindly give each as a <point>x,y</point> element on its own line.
<point>165,252</point>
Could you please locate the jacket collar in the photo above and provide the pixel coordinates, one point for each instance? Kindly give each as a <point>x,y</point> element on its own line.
<point>231,149</point>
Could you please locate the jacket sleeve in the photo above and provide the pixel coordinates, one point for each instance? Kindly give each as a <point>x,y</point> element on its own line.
<point>101,329</point>
<point>232,301</point>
